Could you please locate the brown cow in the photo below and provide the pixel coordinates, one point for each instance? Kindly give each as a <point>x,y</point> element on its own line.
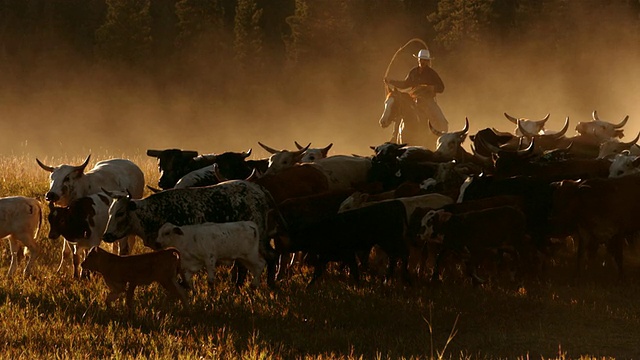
<point>125,273</point>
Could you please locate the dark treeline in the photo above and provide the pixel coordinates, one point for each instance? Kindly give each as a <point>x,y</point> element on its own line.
<point>269,39</point>
<point>299,47</point>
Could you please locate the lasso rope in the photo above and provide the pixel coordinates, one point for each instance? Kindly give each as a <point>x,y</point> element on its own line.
<point>402,48</point>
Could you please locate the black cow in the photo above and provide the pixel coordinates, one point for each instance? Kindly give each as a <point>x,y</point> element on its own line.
<point>500,228</point>
<point>341,236</point>
<point>175,164</point>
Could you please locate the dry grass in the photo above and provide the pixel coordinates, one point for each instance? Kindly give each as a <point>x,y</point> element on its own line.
<point>54,316</point>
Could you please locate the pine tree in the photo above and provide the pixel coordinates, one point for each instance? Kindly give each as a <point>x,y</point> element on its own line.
<point>125,35</point>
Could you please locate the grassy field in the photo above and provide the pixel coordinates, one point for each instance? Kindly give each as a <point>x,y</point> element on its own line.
<point>51,315</point>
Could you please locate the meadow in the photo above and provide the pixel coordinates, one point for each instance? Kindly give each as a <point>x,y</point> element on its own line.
<point>51,315</point>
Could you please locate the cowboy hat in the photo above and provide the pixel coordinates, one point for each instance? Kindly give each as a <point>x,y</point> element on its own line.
<point>423,55</point>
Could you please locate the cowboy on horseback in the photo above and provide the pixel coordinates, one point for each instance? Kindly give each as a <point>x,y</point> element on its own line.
<point>424,83</point>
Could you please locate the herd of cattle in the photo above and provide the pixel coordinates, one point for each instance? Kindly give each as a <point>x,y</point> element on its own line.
<point>514,194</point>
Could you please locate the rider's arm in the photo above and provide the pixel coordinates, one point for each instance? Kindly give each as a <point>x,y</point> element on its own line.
<point>408,82</point>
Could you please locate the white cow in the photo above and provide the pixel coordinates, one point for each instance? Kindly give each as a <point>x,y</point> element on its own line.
<point>449,144</point>
<point>531,126</point>
<point>68,182</point>
<point>20,220</point>
<point>313,154</point>
<point>282,159</point>
<point>612,147</point>
<point>203,245</point>
<point>624,164</point>
<point>600,129</point>
<point>343,171</point>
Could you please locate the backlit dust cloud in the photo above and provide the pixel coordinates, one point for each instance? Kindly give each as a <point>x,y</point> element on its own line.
<point>50,110</point>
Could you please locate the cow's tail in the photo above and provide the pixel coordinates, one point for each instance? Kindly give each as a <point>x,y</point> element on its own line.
<point>36,206</point>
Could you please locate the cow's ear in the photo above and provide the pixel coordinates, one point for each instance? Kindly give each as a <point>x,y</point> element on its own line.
<point>177,230</point>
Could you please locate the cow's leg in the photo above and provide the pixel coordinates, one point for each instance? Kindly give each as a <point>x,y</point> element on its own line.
<point>34,252</point>
<point>284,263</point>
<point>66,252</point>
<point>188,279</point>
<point>320,266</point>
<point>77,259</point>
<point>352,262</point>
<point>14,247</point>
<point>435,277</point>
<point>582,237</point>
<point>125,245</point>
<point>615,248</point>
<point>131,290</point>
<point>404,263</point>
<point>210,264</point>
<point>115,290</point>
<point>239,273</point>
<point>174,289</point>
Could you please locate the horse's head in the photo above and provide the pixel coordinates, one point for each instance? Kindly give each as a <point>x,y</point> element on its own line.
<point>396,106</point>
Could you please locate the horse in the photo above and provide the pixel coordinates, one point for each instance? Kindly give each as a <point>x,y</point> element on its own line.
<point>410,123</point>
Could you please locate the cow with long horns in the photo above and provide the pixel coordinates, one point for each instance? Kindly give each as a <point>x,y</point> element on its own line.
<point>69,183</point>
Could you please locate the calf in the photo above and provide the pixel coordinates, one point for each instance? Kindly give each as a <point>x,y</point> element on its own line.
<point>125,273</point>
<point>20,220</point>
<point>501,228</point>
<point>205,244</point>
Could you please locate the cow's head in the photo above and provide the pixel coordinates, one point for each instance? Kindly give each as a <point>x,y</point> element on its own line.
<point>172,165</point>
<point>354,201</point>
<point>168,235</point>
<point>531,126</point>
<point>624,164</point>
<point>601,130</point>
<point>430,225</point>
<point>449,143</point>
<point>63,180</point>
<point>58,216</point>
<point>388,151</point>
<point>282,159</point>
<point>311,155</point>
<point>614,147</point>
<point>233,165</point>
<point>122,218</point>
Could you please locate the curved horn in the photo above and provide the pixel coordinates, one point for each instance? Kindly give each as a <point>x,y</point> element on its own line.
<point>299,152</point>
<point>253,176</point>
<point>511,118</point>
<point>298,145</point>
<point>529,148</point>
<point>434,131</point>
<point>621,124</point>
<point>563,131</point>
<point>545,118</point>
<point>218,174</point>
<point>634,141</point>
<point>594,115</point>
<point>325,150</point>
<point>465,129</point>
<point>247,153</point>
<point>84,164</point>
<point>45,167</point>
<point>270,150</point>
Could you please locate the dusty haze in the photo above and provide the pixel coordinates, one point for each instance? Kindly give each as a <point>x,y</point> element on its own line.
<point>56,108</point>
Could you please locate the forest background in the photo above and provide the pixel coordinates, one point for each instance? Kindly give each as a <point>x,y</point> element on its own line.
<point>121,76</point>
